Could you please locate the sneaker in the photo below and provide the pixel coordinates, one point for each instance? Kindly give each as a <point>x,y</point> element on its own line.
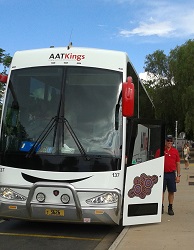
<point>170,211</point>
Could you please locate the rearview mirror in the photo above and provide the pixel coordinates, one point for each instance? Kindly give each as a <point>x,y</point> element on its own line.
<point>128,98</point>
<point>3,78</point>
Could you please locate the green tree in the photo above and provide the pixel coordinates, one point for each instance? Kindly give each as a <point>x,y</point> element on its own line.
<point>182,65</point>
<point>5,61</point>
<point>172,86</point>
<point>160,87</point>
<point>157,64</point>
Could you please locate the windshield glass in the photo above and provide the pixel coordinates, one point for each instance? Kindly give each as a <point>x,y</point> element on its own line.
<point>81,96</point>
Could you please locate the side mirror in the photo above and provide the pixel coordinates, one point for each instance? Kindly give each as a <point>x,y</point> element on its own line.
<point>128,94</point>
<point>3,78</point>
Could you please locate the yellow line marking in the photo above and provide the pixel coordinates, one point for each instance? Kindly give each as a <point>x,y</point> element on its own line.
<point>49,236</point>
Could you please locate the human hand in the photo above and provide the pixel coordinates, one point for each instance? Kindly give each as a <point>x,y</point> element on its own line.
<point>178,179</point>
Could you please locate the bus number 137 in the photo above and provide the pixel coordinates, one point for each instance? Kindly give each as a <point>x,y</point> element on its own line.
<point>115,174</point>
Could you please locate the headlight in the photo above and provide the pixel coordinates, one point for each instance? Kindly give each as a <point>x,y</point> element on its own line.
<point>9,194</point>
<point>106,198</point>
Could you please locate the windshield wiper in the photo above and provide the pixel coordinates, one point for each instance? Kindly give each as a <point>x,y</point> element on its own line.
<point>75,138</point>
<point>53,123</point>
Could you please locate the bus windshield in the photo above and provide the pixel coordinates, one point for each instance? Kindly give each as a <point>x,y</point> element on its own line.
<point>84,97</point>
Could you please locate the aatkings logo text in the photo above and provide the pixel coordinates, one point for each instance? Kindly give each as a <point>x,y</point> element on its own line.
<point>66,56</point>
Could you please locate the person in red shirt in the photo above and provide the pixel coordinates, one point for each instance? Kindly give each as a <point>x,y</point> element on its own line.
<point>171,171</point>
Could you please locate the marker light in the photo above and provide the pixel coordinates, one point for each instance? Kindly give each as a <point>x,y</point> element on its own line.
<point>106,198</point>
<point>9,194</point>
<point>65,198</point>
<point>40,197</point>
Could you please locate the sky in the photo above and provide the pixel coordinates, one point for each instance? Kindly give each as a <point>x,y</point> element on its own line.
<point>138,27</point>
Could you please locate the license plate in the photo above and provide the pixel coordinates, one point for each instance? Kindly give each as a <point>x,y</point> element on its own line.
<point>54,212</point>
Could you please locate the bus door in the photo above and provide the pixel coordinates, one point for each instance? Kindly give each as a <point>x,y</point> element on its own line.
<point>143,189</point>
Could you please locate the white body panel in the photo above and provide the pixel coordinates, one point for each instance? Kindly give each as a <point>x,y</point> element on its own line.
<point>113,60</point>
<point>135,191</point>
<point>94,179</point>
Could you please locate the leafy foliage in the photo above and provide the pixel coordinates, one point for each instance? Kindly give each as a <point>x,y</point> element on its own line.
<point>5,61</point>
<point>172,87</point>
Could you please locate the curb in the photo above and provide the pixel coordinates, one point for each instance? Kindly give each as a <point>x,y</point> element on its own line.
<point>119,239</point>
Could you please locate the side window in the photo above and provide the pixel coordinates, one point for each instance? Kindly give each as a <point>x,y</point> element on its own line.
<point>140,152</point>
<point>147,141</point>
<point>143,139</point>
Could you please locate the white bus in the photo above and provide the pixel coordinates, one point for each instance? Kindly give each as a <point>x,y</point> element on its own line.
<point>78,138</point>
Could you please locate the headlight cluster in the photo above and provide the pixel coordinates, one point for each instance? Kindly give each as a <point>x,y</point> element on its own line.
<point>9,194</point>
<point>106,198</point>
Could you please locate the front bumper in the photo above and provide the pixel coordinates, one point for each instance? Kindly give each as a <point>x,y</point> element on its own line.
<point>52,209</point>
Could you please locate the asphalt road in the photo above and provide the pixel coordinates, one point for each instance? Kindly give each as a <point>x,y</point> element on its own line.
<point>24,235</point>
